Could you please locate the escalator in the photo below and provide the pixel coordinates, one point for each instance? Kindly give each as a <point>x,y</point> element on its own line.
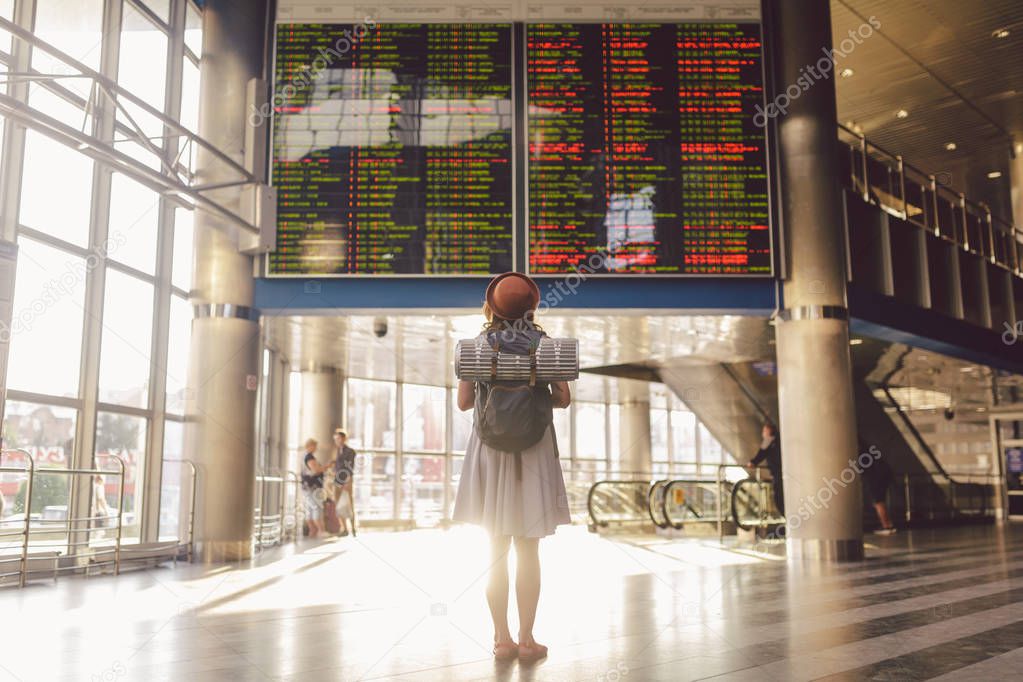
<point>618,503</point>
<point>733,396</point>
<point>679,504</point>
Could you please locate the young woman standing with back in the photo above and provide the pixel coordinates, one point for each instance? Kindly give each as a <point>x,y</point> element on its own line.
<point>511,481</point>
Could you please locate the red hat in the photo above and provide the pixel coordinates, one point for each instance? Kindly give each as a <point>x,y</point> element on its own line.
<point>512,295</point>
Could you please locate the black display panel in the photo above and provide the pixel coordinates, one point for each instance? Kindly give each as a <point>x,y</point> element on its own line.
<point>393,149</point>
<point>644,156</point>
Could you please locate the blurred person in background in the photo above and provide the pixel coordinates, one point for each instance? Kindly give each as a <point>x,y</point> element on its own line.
<point>100,508</point>
<point>312,489</point>
<point>770,454</point>
<point>877,477</point>
<point>343,466</point>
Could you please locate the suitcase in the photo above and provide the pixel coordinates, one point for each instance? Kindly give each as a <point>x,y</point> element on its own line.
<point>330,522</point>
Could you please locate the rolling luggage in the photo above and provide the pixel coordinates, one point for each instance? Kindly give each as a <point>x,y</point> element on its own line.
<point>330,522</point>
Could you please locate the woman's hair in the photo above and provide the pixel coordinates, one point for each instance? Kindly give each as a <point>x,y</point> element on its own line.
<point>494,323</point>
<point>311,441</point>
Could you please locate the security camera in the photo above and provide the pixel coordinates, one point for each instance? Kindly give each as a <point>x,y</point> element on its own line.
<point>380,327</point>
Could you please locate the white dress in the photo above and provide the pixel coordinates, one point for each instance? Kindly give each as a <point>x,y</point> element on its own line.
<point>490,494</point>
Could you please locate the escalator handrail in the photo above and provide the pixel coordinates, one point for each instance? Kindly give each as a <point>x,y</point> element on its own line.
<point>650,502</point>
<point>593,490</point>
<point>710,485</point>
<point>916,434</point>
<point>734,498</point>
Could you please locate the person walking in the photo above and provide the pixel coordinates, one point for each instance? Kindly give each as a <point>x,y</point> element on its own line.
<point>312,489</point>
<point>770,453</point>
<point>511,482</point>
<point>343,465</point>
<point>100,511</point>
<point>877,477</point>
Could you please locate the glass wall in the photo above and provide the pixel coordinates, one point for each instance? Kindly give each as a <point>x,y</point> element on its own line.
<point>104,265</point>
<point>416,483</point>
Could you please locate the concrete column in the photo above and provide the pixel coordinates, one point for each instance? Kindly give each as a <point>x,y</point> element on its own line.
<point>225,350</point>
<point>320,410</point>
<point>815,397</point>
<point>634,425</point>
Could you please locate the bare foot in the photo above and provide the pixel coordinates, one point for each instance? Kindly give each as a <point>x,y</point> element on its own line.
<point>530,650</point>
<point>505,650</point>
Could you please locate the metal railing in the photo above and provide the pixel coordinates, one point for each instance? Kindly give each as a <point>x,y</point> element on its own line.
<point>937,497</point>
<point>76,536</point>
<point>618,502</point>
<point>622,497</point>
<point>689,501</point>
<point>22,558</point>
<point>190,525</point>
<point>294,511</point>
<point>886,180</point>
<point>753,492</point>
<point>269,527</point>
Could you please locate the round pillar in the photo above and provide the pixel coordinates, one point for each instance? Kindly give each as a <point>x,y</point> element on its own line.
<point>225,352</point>
<point>320,410</point>
<point>634,425</point>
<point>815,396</point>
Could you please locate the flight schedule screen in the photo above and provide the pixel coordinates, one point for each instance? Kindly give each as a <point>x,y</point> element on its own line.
<point>393,149</point>
<point>643,155</point>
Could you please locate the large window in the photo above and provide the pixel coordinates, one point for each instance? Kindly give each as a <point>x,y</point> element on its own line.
<point>120,440</point>
<point>410,461</point>
<point>461,424</point>
<point>127,340</point>
<point>47,432</point>
<point>93,286</point>
<point>590,429</point>
<point>47,165</point>
<point>134,217</point>
<point>371,413</point>
<point>180,334</point>
<point>174,483</point>
<point>423,418</point>
<point>46,330</point>
<point>143,66</point>
<point>72,26</point>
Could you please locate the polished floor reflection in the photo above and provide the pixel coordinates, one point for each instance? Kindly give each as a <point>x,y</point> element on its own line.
<point>945,604</point>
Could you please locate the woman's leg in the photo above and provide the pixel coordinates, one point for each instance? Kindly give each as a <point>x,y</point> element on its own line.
<point>527,585</point>
<point>497,587</point>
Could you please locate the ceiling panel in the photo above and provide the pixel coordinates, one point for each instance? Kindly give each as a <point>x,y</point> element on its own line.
<point>938,60</point>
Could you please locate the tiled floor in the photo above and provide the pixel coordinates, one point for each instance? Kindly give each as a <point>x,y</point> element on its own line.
<point>944,604</point>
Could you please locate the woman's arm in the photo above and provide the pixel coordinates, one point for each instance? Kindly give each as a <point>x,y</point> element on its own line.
<point>466,395</point>
<point>561,396</point>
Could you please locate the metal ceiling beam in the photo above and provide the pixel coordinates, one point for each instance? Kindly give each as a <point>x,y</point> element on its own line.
<point>172,180</point>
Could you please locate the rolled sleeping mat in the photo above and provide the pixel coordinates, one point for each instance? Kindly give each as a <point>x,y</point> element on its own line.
<point>556,360</point>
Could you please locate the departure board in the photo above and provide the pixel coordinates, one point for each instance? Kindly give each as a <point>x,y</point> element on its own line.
<point>393,149</point>
<point>644,156</point>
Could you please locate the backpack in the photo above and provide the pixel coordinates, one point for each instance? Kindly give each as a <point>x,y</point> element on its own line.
<point>512,416</point>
